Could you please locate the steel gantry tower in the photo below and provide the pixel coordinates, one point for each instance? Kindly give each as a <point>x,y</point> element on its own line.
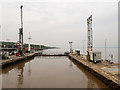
<point>71,50</point>
<point>89,34</point>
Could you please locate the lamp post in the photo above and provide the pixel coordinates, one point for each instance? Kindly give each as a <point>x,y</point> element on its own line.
<point>29,42</point>
<point>83,46</point>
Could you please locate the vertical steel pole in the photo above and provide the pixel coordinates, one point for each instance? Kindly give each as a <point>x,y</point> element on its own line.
<point>21,29</point>
<point>21,16</point>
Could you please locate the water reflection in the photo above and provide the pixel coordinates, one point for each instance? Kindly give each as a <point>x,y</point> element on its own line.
<point>20,74</point>
<point>9,68</point>
<point>70,64</point>
<point>19,67</point>
<point>29,71</point>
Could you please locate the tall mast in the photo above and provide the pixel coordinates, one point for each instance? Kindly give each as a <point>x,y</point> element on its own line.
<point>21,16</point>
<point>21,31</point>
<point>21,26</point>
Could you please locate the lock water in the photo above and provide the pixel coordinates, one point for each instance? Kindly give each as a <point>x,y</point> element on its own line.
<point>48,72</point>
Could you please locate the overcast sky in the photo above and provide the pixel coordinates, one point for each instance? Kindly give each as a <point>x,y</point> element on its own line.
<point>55,23</point>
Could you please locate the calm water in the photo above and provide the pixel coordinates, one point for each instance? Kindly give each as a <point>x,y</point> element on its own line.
<point>48,72</point>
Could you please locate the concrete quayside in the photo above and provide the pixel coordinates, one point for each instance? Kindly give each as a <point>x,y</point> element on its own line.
<point>108,74</point>
<point>13,59</point>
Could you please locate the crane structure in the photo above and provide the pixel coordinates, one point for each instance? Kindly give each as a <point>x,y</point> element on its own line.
<point>71,50</point>
<point>21,33</point>
<point>89,34</point>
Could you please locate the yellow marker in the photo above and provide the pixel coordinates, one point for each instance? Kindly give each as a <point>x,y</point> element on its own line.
<point>18,44</point>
